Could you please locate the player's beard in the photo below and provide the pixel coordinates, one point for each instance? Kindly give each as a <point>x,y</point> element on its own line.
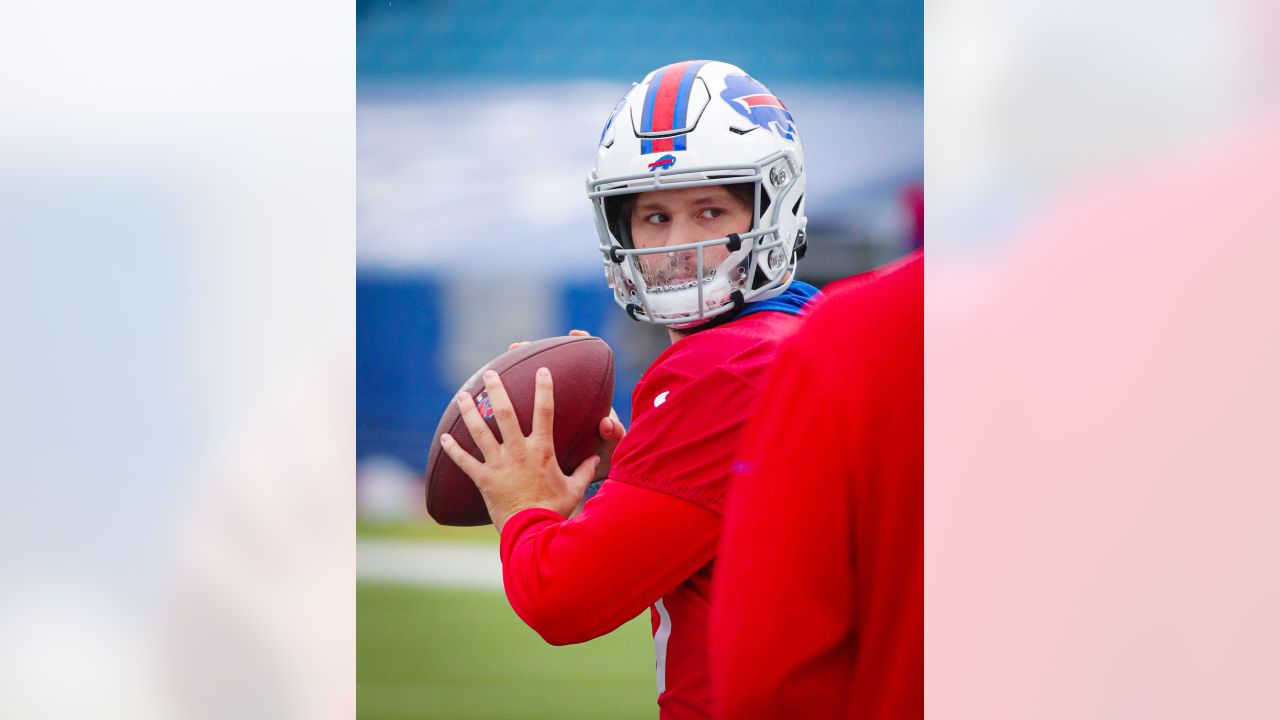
<point>671,282</point>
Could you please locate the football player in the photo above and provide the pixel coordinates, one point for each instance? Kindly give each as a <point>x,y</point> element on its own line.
<point>698,195</point>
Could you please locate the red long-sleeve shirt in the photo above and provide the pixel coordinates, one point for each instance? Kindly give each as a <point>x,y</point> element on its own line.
<point>819,607</point>
<point>648,538</point>
<point>574,580</point>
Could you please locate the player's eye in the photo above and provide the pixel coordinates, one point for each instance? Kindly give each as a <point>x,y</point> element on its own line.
<point>710,213</point>
<point>656,218</point>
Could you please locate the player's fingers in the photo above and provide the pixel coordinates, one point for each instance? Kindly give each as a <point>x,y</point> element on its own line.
<point>610,431</point>
<point>517,344</point>
<point>579,333</point>
<point>544,405</point>
<point>462,458</point>
<point>583,476</point>
<point>503,411</point>
<point>485,440</point>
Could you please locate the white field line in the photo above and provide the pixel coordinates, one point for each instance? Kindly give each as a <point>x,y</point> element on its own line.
<point>439,564</point>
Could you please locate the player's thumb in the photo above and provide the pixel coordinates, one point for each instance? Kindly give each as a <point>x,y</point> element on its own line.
<point>583,476</point>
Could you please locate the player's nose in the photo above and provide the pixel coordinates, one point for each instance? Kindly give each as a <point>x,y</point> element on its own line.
<point>685,231</point>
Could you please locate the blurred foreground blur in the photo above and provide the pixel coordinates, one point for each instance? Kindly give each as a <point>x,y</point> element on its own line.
<point>1101,360</point>
<point>177,219</point>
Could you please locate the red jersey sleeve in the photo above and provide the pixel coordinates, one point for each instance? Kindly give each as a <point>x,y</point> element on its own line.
<point>574,580</point>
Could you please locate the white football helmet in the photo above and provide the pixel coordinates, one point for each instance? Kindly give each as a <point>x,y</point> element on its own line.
<point>690,124</point>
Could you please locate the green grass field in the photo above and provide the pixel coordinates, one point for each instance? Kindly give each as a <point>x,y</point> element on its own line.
<point>424,529</point>
<point>463,654</point>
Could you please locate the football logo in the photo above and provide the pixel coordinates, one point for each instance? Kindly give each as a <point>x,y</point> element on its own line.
<point>663,162</point>
<point>754,102</point>
<point>484,406</point>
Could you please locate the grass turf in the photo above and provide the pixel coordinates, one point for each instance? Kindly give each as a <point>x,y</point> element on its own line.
<point>463,654</point>
<point>424,529</point>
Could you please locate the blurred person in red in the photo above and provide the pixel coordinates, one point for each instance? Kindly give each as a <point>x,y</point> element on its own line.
<point>818,603</point>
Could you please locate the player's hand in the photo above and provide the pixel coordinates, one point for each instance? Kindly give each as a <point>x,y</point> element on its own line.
<point>611,433</point>
<point>520,472</point>
<point>574,333</point>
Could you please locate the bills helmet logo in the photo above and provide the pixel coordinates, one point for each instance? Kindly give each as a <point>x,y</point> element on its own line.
<point>754,102</point>
<point>663,162</point>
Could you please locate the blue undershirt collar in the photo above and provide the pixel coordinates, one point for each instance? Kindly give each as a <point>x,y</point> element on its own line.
<point>792,300</point>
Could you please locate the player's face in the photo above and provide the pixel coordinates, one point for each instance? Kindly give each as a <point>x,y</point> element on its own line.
<point>666,218</point>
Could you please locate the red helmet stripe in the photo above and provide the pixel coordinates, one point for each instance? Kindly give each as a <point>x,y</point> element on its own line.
<point>664,104</point>
<point>758,100</point>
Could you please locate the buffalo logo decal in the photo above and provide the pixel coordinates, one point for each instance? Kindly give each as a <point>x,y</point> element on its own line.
<point>754,102</point>
<point>663,162</point>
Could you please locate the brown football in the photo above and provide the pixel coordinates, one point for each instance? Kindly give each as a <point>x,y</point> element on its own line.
<point>582,377</point>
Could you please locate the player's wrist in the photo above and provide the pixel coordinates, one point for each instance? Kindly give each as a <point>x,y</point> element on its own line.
<point>501,515</point>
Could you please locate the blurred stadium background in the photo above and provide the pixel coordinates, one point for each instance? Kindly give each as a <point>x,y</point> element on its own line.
<point>476,125</point>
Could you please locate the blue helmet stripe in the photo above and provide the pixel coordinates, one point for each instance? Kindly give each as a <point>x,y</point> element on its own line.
<point>646,117</point>
<point>682,95</point>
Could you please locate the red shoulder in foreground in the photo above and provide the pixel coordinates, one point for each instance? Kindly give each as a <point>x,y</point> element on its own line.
<point>824,526</point>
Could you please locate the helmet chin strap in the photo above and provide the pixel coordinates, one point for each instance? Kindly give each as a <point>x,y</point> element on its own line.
<point>738,304</point>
